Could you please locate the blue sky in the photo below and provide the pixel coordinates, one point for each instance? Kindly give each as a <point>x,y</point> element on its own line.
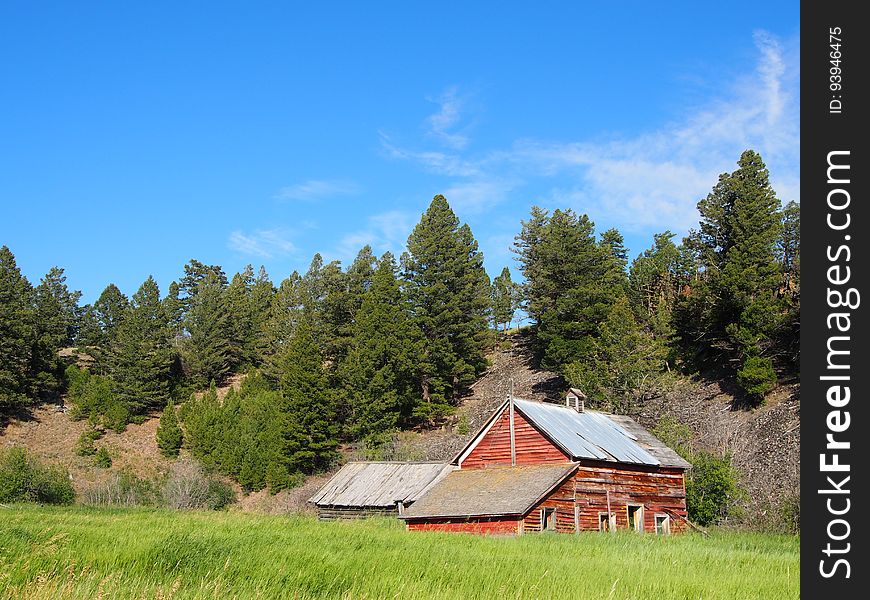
<point>134,138</point>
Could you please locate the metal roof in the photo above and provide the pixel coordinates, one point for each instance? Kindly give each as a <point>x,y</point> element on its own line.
<point>588,434</point>
<point>493,491</point>
<point>650,443</point>
<point>379,484</point>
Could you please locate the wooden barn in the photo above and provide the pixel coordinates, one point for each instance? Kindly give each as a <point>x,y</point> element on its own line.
<point>538,466</point>
<point>365,489</point>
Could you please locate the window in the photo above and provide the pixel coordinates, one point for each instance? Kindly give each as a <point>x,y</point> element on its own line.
<point>635,517</point>
<point>663,524</point>
<point>548,519</point>
<point>605,524</point>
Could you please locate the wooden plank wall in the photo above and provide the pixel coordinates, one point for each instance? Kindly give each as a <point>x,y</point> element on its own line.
<point>494,525</point>
<point>494,448</point>
<point>656,489</point>
<point>330,513</point>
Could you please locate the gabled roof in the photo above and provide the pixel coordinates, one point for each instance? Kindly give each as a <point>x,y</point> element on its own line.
<point>590,435</point>
<point>379,484</point>
<point>494,491</point>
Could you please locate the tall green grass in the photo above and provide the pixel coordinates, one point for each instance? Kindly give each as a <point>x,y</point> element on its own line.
<point>138,553</point>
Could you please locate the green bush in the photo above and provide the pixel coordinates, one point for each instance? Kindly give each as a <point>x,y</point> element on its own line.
<point>711,487</point>
<point>219,495</point>
<point>117,416</point>
<point>712,484</point>
<point>169,435</point>
<point>85,445</point>
<point>24,479</point>
<point>756,377</point>
<point>102,458</point>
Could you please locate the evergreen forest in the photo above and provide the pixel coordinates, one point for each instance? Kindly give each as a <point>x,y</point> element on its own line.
<point>355,353</point>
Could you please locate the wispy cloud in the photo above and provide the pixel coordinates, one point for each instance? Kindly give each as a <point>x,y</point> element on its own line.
<point>643,182</point>
<point>265,243</point>
<point>478,195</point>
<point>441,163</point>
<point>441,124</point>
<point>387,231</point>
<point>316,189</point>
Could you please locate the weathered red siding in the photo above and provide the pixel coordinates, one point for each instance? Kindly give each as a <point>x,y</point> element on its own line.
<point>494,448</point>
<point>493,525</point>
<point>659,490</point>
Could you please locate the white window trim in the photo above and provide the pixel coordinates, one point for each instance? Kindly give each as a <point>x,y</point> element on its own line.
<point>638,523</point>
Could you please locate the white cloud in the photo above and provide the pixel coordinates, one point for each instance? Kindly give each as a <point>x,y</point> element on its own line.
<point>387,231</point>
<point>645,182</point>
<point>478,195</point>
<point>448,116</point>
<point>265,243</point>
<point>442,163</point>
<point>315,189</point>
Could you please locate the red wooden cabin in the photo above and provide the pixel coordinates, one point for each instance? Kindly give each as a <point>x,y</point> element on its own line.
<point>537,466</point>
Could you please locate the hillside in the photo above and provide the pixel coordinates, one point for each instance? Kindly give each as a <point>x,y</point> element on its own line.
<point>764,442</point>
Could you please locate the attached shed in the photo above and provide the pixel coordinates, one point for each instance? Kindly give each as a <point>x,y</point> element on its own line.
<point>494,500</point>
<point>617,475</point>
<point>365,489</point>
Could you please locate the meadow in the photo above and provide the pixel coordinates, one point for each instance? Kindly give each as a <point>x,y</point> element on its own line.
<point>83,552</point>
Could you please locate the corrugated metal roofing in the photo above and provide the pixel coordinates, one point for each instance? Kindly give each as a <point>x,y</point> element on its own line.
<point>650,443</point>
<point>489,492</point>
<point>587,434</point>
<point>379,484</point>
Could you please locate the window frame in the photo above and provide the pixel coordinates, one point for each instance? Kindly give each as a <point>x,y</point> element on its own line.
<point>638,512</point>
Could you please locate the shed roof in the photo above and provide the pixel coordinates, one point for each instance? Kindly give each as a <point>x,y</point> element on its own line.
<point>493,491</point>
<point>379,484</point>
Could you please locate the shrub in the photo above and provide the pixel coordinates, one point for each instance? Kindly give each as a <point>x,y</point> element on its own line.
<point>756,377</point>
<point>24,479</point>
<point>85,445</point>
<point>464,425</point>
<point>169,436</point>
<point>122,489</point>
<point>711,487</point>
<point>102,458</point>
<point>188,486</point>
<point>117,416</point>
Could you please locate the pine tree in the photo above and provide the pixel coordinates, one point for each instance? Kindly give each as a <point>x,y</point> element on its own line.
<point>789,256</point>
<point>380,388</point>
<point>285,312</point>
<point>657,279</point>
<point>195,273</point>
<point>16,333</point>
<point>537,291</point>
<point>169,435</point>
<point>505,299</point>
<point>203,426</point>
<point>139,360</point>
<point>572,281</point>
<point>240,323</point>
<point>737,242</point>
<point>449,294</point>
<point>101,320</point>
<point>207,349</point>
<point>56,319</point>
<point>624,364</point>
<point>261,297</point>
<point>310,428</point>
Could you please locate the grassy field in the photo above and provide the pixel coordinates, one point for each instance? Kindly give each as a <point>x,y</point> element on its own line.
<point>138,553</point>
